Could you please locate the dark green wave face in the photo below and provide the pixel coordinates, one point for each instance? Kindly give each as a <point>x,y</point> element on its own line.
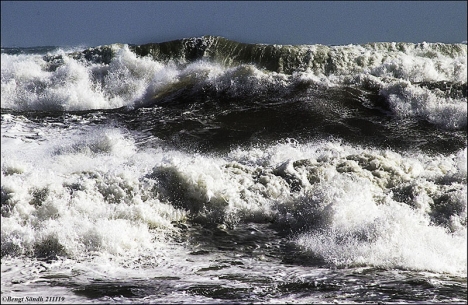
<point>277,58</point>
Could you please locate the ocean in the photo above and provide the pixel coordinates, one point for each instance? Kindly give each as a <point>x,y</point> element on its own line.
<point>204,170</point>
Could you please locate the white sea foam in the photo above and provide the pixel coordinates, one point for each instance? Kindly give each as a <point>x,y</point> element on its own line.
<point>77,195</point>
<point>344,196</point>
<point>360,230</point>
<point>73,194</point>
<point>412,101</point>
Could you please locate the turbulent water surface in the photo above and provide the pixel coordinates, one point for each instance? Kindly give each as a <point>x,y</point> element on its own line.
<point>205,170</point>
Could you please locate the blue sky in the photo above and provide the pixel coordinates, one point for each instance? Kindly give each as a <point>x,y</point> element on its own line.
<point>92,23</point>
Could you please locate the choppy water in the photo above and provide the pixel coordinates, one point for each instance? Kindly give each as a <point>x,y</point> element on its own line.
<point>206,170</point>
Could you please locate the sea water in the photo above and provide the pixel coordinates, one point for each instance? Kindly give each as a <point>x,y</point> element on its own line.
<point>211,171</point>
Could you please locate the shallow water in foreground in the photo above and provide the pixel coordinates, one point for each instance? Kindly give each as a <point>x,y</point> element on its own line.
<point>228,266</point>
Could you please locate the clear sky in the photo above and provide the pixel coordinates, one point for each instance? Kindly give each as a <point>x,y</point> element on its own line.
<point>92,23</point>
